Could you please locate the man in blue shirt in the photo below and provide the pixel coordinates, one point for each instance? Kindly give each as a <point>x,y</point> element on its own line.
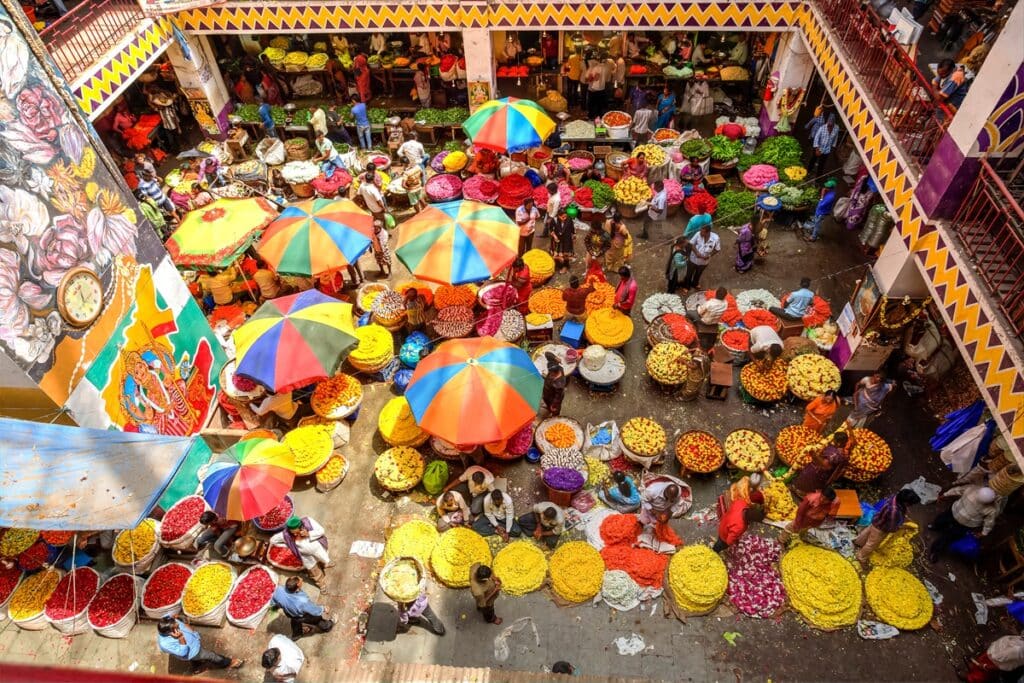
<point>362,123</point>
<point>824,208</point>
<point>305,614</point>
<point>824,141</point>
<point>267,119</point>
<point>183,643</point>
<point>798,303</point>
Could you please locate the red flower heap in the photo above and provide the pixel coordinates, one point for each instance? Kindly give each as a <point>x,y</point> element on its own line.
<point>166,585</point>
<point>276,518</point>
<point>251,594</point>
<point>72,594</point>
<point>113,601</point>
<point>284,557</point>
<point>34,557</point>
<point>756,317</point>
<point>9,578</point>
<point>180,518</point>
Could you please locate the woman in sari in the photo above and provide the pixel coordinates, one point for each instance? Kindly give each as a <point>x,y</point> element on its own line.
<point>820,410</point>
<point>666,107</point>
<point>621,248</point>
<point>361,69</point>
<point>825,467</point>
<point>860,200</point>
<point>746,248</point>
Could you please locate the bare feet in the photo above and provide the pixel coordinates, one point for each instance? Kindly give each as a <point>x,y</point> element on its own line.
<point>497,621</point>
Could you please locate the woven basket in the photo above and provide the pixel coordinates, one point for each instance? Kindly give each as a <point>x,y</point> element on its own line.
<point>303,190</point>
<point>770,442</point>
<point>686,465</point>
<point>296,151</point>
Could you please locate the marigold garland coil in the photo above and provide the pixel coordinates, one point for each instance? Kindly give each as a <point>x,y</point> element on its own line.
<point>548,301</point>
<point>608,327</point>
<point>456,551</point>
<point>17,541</point>
<point>577,571</point>
<point>778,501</point>
<point>822,586</point>
<point>560,435</point>
<point>399,468</point>
<point>415,538</point>
<point>897,597</point>
<point>521,567</point>
<point>603,296</point>
<point>375,349</point>
<point>449,295</point>
<point>698,578</point>
<point>334,397</point>
<point>312,445</point>
<point>397,424</point>
<point>541,265</point>
<point>29,598</point>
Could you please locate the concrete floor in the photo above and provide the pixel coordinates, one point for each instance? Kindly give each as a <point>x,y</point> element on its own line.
<point>779,650</point>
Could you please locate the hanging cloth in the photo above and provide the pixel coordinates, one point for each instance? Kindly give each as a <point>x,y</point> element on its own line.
<point>955,423</point>
<point>986,441</point>
<point>959,453</point>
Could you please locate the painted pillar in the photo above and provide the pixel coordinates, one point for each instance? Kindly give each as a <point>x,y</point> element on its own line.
<point>200,79</point>
<point>795,65</point>
<point>988,122</point>
<point>479,65</point>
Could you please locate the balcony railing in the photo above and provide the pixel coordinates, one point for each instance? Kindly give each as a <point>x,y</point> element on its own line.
<point>890,78</point>
<point>990,226</point>
<point>83,35</point>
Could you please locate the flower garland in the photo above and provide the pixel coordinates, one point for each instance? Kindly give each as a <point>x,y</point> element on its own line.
<point>822,585</point>
<point>888,324</point>
<point>897,597</point>
<point>521,567</point>
<point>577,571</point>
<point>698,578</point>
<point>456,551</point>
<point>415,538</point>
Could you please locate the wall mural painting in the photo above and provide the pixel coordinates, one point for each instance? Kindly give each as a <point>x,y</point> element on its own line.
<point>60,208</point>
<point>158,373</point>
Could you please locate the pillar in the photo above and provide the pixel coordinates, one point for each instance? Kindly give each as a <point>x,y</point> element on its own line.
<point>795,65</point>
<point>200,79</point>
<point>987,122</point>
<point>479,66</point>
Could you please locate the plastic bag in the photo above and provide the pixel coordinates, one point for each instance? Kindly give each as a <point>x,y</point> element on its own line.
<point>270,151</point>
<point>501,648</point>
<point>967,546</point>
<point>841,208</point>
<point>602,441</point>
<point>928,492</point>
<point>435,477</point>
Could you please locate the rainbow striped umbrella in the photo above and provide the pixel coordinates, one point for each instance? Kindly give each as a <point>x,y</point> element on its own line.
<point>316,236</point>
<point>458,242</point>
<point>294,340</point>
<point>474,391</point>
<point>257,477</point>
<point>509,125</point>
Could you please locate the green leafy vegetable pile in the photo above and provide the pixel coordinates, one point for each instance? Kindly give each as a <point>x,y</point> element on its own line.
<point>735,207</point>
<point>698,148</point>
<point>603,194</point>
<point>724,149</point>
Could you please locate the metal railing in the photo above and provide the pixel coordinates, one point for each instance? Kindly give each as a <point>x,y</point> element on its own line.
<point>990,227</point>
<point>81,37</point>
<point>889,77</point>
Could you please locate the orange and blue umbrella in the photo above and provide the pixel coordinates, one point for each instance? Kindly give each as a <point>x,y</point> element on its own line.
<point>294,340</point>
<point>509,125</point>
<point>255,478</point>
<point>474,391</point>
<point>316,236</point>
<point>458,242</point>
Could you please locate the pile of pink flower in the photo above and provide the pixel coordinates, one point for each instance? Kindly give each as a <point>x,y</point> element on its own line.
<point>755,585</point>
<point>578,164</point>
<point>480,188</point>
<point>540,195</point>
<point>673,191</point>
<point>443,187</point>
<point>700,202</point>
<point>328,187</point>
<point>761,176</point>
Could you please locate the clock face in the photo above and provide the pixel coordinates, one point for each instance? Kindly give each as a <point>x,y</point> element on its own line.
<point>80,297</point>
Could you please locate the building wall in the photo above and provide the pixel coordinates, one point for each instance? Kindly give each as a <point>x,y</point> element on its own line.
<point>63,204</point>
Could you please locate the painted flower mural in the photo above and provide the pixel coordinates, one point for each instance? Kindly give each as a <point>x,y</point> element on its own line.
<point>59,207</point>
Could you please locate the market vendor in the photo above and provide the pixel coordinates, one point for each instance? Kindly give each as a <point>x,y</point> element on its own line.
<point>370,193</point>
<point>732,129</point>
<point>620,249</point>
<point>498,516</point>
<point>549,50</point>
<point>735,522</point>
<point>661,500</point>
<point>519,278</point>
<point>747,487</point>
<point>798,302</point>
<point>692,176</point>
<point>418,613</point>
<point>974,512</point>
<point>306,539</point>
<point>620,493</point>
<point>625,291</point>
<point>554,385</point>
<point>414,310</point>
<point>765,345</point>
<point>545,522</point>
<point>219,532</point>
<point>889,518</point>
<point>635,167</point>
<point>710,311</point>
<point>211,171</point>
<point>478,483</point>
<point>575,298</point>
<point>361,70</point>
<point>697,223</point>
<point>412,151</point>
<point>412,183</point>
<point>814,510</point>
<point>826,466</point>
<point>666,107</point>
<point>526,218</point>
<point>281,404</point>
<point>199,197</point>
<point>563,232</point>
<point>820,410</point>
<point>336,125</point>
<point>328,157</point>
<point>452,511</point>
<point>868,398</point>
<point>421,81</point>
<point>381,251</point>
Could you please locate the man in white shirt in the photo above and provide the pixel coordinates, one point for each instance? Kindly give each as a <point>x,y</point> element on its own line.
<point>1003,656</point>
<point>526,219</point>
<point>642,119</point>
<point>765,345</point>
<point>552,207</point>
<point>498,518</point>
<point>307,540</point>
<point>705,245</point>
<point>318,121</point>
<point>657,210</point>
<point>710,311</point>
<point>372,196</point>
<point>412,151</point>
<point>597,95</point>
<point>479,482</point>
<point>283,659</point>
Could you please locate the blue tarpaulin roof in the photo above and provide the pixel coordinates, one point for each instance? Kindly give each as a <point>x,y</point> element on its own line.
<point>69,478</point>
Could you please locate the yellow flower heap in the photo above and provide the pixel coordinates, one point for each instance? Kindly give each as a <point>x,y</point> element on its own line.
<point>698,578</point>
<point>654,155</point>
<point>331,470</point>
<point>632,191</point>
<point>895,550</point>
<point>207,588</point>
<point>608,327</point>
<point>668,363</point>
<point>399,468</point>
<point>415,538</point>
<point>17,541</point>
<point>603,296</point>
<point>541,265</point>
<point>577,571</point>
<point>644,436</point>
<point>811,375</point>
<point>456,551</point>
<point>132,544</point>
<point>376,348</point>
<point>597,472</point>
<point>521,567</point>
<point>778,501</point>
<point>764,385</point>
<point>29,598</point>
<point>792,442</point>
<point>897,597</point>
<point>312,445</point>
<point>822,586</point>
<point>335,396</point>
<point>397,424</point>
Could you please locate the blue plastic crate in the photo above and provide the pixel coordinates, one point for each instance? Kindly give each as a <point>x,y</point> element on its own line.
<point>572,334</point>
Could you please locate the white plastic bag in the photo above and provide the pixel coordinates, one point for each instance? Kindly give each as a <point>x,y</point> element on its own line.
<point>501,647</point>
<point>270,151</point>
<point>605,452</point>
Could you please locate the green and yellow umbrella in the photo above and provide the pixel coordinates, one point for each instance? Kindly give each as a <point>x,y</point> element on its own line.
<point>458,242</point>
<point>509,125</point>
<point>316,236</point>
<point>218,233</point>
<point>294,340</point>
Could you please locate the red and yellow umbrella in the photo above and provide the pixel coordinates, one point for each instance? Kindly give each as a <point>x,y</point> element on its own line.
<point>256,479</point>
<point>316,236</point>
<point>458,242</point>
<point>218,233</point>
<point>474,391</point>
